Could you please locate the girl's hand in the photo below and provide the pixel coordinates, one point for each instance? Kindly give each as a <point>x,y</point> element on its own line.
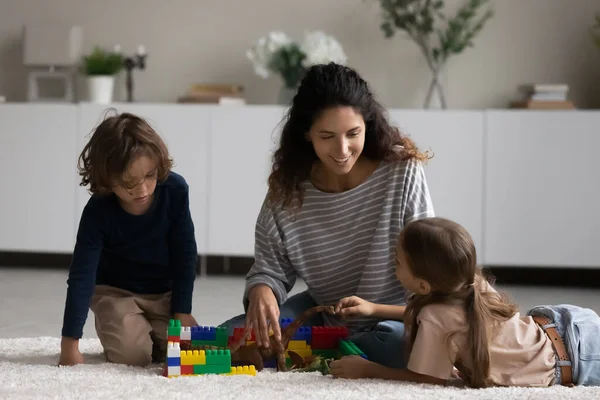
<point>354,306</point>
<point>263,313</point>
<point>350,367</point>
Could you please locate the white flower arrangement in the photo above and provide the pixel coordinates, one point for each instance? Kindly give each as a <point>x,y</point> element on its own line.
<point>276,53</point>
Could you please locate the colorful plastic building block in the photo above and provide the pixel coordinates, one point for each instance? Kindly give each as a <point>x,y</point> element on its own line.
<point>183,360</point>
<point>348,348</point>
<point>197,335</point>
<point>203,350</point>
<point>303,333</point>
<point>201,362</point>
<point>245,370</point>
<point>328,337</point>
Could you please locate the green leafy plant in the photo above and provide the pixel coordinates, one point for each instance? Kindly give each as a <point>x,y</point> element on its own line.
<point>102,62</point>
<point>438,36</point>
<point>288,61</point>
<point>595,31</point>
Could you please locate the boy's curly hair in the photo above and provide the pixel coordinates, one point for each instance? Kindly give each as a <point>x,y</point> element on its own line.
<point>114,144</point>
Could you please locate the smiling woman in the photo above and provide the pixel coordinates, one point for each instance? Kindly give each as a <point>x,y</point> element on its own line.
<point>338,137</point>
<point>343,184</point>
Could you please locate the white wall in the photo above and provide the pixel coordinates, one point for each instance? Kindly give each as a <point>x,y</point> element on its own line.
<point>204,41</point>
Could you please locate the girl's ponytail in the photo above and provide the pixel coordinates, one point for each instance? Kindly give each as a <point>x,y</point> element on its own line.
<point>477,377</point>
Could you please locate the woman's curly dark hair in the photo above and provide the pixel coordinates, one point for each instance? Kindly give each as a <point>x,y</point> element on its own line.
<point>325,86</point>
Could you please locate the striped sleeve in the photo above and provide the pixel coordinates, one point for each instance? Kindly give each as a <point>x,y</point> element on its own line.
<point>418,199</point>
<point>418,202</point>
<point>271,264</point>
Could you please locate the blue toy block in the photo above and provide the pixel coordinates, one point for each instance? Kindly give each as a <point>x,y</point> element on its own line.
<point>209,334</point>
<point>303,333</point>
<point>196,332</point>
<point>173,361</point>
<point>204,333</point>
<point>284,322</point>
<point>271,364</point>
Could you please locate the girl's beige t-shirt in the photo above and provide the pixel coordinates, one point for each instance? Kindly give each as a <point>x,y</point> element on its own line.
<point>521,353</point>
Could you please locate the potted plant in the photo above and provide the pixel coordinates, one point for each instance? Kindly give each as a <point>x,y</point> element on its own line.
<point>100,68</point>
<point>437,35</point>
<point>276,53</point>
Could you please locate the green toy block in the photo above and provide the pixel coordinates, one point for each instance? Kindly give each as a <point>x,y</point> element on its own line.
<point>174,328</point>
<point>205,343</point>
<point>327,353</point>
<point>218,357</point>
<point>212,369</point>
<point>222,337</point>
<point>348,348</point>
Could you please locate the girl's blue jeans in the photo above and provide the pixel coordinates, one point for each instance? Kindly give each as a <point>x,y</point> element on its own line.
<point>580,329</point>
<point>382,343</point>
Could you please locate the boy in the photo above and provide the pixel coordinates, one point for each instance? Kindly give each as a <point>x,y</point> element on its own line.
<point>135,256</point>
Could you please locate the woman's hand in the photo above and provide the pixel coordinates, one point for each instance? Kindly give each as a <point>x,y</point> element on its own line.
<point>354,306</point>
<point>350,367</point>
<point>263,313</point>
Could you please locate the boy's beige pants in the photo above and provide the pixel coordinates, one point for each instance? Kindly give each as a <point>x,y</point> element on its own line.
<point>131,327</point>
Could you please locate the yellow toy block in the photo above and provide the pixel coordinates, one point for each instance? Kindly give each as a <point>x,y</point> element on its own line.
<point>304,353</point>
<point>193,357</point>
<point>297,345</point>
<point>245,370</point>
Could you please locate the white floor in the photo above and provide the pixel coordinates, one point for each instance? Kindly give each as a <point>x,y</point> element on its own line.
<point>32,300</point>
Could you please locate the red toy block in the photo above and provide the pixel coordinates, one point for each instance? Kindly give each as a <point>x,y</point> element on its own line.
<point>174,339</point>
<point>238,334</point>
<point>327,337</point>
<point>187,370</point>
<point>231,341</point>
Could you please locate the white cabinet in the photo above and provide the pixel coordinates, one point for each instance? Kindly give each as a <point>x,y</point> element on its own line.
<point>455,173</point>
<point>185,130</point>
<point>524,183</point>
<point>542,189</point>
<point>242,142</point>
<point>37,163</point>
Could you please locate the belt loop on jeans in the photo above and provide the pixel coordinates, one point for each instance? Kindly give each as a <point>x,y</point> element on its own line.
<point>559,347</point>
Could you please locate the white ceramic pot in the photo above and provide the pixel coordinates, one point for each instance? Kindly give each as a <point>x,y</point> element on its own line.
<point>101,89</point>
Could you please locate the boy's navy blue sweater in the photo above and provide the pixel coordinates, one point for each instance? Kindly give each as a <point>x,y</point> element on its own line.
<point>147,254</point>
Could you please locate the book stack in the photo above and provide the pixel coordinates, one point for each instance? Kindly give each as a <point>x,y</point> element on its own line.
<point>210,93</point>
<point>544,97</point>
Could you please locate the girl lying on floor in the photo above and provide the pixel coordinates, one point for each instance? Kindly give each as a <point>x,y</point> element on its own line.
<point>456,320</point>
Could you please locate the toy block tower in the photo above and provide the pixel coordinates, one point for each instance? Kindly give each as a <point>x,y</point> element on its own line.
<point>182,360</point>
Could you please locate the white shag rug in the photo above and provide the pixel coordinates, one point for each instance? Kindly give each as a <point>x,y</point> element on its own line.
<point>28,371</point>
